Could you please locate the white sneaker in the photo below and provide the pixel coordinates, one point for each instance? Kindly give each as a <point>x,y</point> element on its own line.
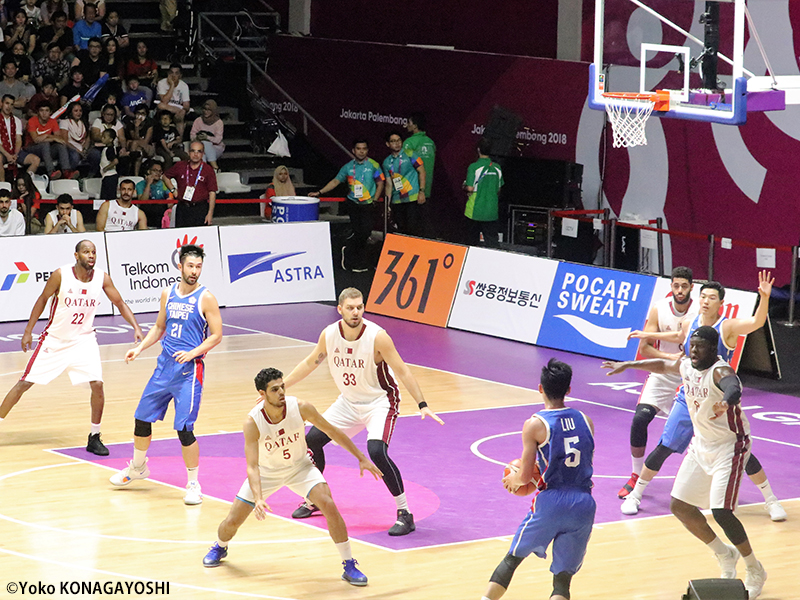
<point>754,580</point>
<point>630,506</point>
<point>727,562</point>
<point>130,473</point>
<point>193,494</point>
<point>775,510</point>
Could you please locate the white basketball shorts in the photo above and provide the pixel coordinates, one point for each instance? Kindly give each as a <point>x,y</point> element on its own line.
<point>81,358</point>
<point>301,480</point>
<point>710,478</point>
<point>379,418</point>
<point>659,391</point>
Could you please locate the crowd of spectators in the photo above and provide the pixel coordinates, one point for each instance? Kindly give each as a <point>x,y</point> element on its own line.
<point>79,100</point>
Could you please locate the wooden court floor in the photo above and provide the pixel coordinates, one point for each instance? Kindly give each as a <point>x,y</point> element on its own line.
<point>60,520</point>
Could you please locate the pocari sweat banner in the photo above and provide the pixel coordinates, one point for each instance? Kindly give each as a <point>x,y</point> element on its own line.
<point>592,311</point>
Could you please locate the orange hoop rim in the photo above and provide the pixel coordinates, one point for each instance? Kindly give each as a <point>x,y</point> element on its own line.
<point>631,95</point>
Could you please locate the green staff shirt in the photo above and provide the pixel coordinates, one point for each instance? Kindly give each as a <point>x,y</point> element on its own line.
<point>486,178</point>
<point>423,146</point>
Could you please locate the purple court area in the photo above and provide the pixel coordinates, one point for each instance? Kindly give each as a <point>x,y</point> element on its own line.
<point>453,487</point>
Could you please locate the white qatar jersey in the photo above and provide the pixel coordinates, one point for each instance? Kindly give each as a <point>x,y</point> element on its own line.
<point>671,320</point>
<point>701,395</point>
<point>282,445</point>
<point>121,219</point>
<point>353,367</point>
<point>73,218</point>
<point>73,308</point>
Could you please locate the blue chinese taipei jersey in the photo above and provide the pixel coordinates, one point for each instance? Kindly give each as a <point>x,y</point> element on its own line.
<point>722,350</point>
<point>186,326</point>
<point>565,458</point>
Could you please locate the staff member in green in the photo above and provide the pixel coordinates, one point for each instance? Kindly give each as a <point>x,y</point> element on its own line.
<point>405,186</point>
<point>484,179</point>
<point>365,180</point>
<point>420,144</point>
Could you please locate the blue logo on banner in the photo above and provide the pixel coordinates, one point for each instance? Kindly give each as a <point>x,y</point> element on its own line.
<point>592,311</point>
<point>242,265</point>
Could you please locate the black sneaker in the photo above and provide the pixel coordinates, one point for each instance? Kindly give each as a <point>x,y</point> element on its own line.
<point>404,524</point>
<point>96,446</point>
<point>305,510</point>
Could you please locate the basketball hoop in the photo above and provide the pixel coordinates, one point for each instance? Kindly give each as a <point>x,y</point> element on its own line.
<point>628,113</point>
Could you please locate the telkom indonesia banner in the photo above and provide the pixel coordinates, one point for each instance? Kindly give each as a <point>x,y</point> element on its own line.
<point>277,263</point>
<point>26,264</point>
<point>143,263</point>
<point>503,294</point>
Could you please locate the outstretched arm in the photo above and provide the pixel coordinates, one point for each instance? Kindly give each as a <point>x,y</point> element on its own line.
<point>116,299</point>
<point>733,328</point>
<point>385,347</point>
<point>653,365</point>
<point>309,363</point>
<point>155,333</point>
<point>311,414</point>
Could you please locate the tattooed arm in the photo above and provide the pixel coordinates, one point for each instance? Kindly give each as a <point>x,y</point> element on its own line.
<point>307,365</point>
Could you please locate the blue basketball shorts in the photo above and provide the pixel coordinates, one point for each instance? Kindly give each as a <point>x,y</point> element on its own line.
<point>563,517</point>
<point>183,382</point>
<point>678,430</point>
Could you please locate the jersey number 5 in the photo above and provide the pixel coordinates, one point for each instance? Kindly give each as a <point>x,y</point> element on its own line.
<point>349,378</point>
<point>573,454</point>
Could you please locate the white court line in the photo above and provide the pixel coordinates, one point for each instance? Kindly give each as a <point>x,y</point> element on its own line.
<point>187,586</point>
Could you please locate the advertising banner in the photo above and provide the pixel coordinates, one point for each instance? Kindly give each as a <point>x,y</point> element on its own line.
<point>143,263</point>
<point>416,279</point>
<point>276,263</point>
<point>503,294</point>
<point>26,264</point>
<point>592,311</point>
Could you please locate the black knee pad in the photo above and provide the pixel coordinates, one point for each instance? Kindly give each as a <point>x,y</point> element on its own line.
<point>505,570</point>
<point>730,524</point>
<point>316,440</point>
<point>561,583</point>
<point>644,414</point>
<point>753,466</point>
<point>186,437</point>
<point>142,429</point>
<point>655,460</point>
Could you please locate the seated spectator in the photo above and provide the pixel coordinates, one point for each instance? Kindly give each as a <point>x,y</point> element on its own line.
<point>76,87</point>
<point>114,68</point>
<point>109,159</point>
<point>48,96</point>
<point>57,33</point>
<point>167,140</point>
<point>25,193</point>
<point>80,8</point>
<point>281,186</point>
<point>107,120</point>
<point>112,28</point>
<point>34,14</point>
<point>173,96</point>
<point>87,28</point>
<point>121,214</point>
<point>143,67</point>
<point>51,66</point>
<point>65,218</point>
<point>12,86</point>
<point>11,152</point>
<point>20,31</point>
<point>209,129</point>
<point>91,62</point>
<point>153,188</point>
<point>21,59</point>
<point>49,9</point>
<point>74,132</point>
<point>135,96</point>
<point>139,133</point>
<point>11,221</point>
<point>47,143</point>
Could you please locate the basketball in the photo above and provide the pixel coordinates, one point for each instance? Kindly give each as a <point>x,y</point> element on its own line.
<point>528,488</point>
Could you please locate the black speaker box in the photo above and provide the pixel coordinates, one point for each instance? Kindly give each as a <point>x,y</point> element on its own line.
<point>542,183</point>
<point>501,131</point>
<point>716,589</point>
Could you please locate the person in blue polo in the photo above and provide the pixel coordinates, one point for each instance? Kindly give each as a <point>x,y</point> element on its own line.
<point>365,179</point>
<point>405,185</point>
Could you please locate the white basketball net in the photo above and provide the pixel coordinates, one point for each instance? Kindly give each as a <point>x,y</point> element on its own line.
<point>628,118</point>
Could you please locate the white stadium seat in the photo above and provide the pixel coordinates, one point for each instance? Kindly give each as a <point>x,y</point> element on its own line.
<point>230,183</point>
<point>68,186</point>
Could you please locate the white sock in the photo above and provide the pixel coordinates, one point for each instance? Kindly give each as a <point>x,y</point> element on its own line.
<point>344,550</point>
<point>718,546</point>
<point>766,490</point>
<point>402,503</point>
<point>95,428</point>
<point>637,463</point>
<point>750,560</point>
<point>191,474</point>
<point>1,418</point>
<point>485,598</point>
<point>222,544</point>
<point>139,457</point>
<point>638,489</point>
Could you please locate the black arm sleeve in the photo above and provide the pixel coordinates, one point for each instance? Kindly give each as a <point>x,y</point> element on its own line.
<point>732,389</point>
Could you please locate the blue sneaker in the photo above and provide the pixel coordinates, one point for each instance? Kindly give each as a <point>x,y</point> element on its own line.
<point>215,556</point>
<point>351,573</point>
